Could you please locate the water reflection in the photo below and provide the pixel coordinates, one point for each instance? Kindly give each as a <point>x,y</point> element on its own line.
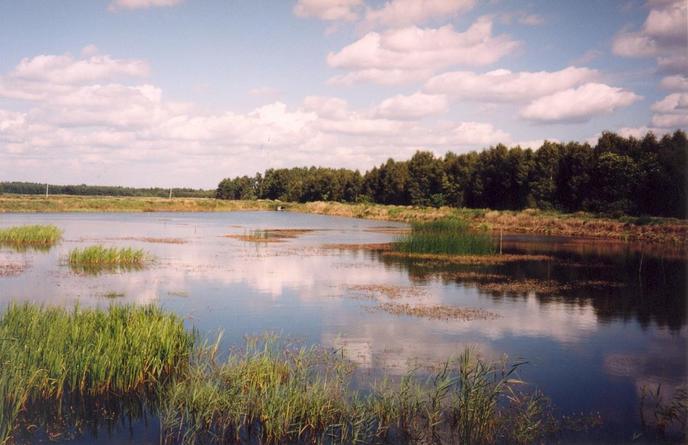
<point>600,326</point>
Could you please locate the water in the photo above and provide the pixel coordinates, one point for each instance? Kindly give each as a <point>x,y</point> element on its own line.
<point>590,348</point>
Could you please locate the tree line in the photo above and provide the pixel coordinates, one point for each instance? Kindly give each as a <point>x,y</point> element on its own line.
<point>33,188</point>
<point>618,175</point>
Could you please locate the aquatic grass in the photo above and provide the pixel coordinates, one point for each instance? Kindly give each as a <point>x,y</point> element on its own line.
<point>56,363</point>
<point>446,236</point>
<point>33,236</point>
<point>97,256</point>
<point>49,355</point>
<point>268,394</point>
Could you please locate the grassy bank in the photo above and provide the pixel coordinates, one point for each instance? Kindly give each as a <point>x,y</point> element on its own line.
<point>54,361</point>
<point>34,237</point>
<point>660,230</point>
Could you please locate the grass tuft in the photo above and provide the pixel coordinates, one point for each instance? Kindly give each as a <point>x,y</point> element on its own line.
<point>446,236</point>
<point>35,236</point>
<point>51,355</point>
<point>100,257</point>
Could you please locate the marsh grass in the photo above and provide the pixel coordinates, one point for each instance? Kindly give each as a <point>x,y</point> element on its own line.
<point>272,394</point>
<point>97,258</point>
<point>447,236</point>
<point>52,355</point>
<point>58,363</point>
<point>30,237</point>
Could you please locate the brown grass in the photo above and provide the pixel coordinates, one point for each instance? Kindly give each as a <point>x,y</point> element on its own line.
<point>270,235</point>
<point>437,312</point>
<point>468,259</point>
<point>662,230</point>
<point>12,269</point>
<point>374,291</point>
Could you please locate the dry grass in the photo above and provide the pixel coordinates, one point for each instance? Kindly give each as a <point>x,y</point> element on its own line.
<point>662,230</point>
<point>524,287</point>
<point>374,291</point>
<point>12,269</point>
<point>270,235</point>
<point>437,312</point>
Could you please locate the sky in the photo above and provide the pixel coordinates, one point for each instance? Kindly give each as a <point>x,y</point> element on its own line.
<point>187,92</point>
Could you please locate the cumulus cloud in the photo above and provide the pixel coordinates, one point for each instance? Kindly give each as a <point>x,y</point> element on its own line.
<point>140,4</point>
<point>506,86</point>
<point>345,10</point>
<point>414,106</point>
<point>664,32</point>
<point>671,112</point>
<point>107,128</point>
<point>676,82</point>
<point>578,104</point>
<point>412,53</point>
<point>399,13</point>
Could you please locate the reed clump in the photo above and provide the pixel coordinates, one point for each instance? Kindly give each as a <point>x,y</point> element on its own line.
<point>446,236</point>
<point>33,236</point>
<point>272,395</point>
<point>95,257</point>
<point>54,361</point>
<point>49,356</point>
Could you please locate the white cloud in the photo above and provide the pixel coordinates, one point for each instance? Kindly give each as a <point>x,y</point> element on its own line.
<point>506,86</point>
<point>522,18</point>
<point>414,106</point>
<point>413,53</point>
<point>120,131</point>
<point>676,82</point>
<point>671,112</point>
<point>346,10</point>
<point>398,13</point>
<point>578,104</point>
<point>672,103</point>
<point>663,32</point>
<point>65,69</point>
<point>140,4</point>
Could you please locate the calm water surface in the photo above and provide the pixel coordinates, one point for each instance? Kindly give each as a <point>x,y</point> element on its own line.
<point>590,348</point>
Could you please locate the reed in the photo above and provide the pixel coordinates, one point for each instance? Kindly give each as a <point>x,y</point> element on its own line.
<point>50,355</point>
<point>34,236</point>
<point>106,257</point>
<point>268,392</point>
<point>446,236</point>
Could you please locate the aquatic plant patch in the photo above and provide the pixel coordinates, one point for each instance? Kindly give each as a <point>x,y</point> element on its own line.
<point>33,236</point>
<point>100,257</point>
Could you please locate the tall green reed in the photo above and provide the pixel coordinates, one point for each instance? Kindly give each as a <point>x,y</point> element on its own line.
<point>450,236</point>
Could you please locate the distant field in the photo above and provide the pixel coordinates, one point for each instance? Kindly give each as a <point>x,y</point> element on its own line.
<point>665,230</point>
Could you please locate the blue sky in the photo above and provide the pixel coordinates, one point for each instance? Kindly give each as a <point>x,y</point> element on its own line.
<point>186,92</point>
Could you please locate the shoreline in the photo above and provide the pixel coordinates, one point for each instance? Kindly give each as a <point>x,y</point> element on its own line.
<point>530,221</point>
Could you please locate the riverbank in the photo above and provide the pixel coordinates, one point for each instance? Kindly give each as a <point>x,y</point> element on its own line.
<point>654,230</point>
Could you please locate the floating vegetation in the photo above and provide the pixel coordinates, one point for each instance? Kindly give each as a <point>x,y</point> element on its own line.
<point>525,287</point>
<point>97,258</point>
<point>447,236</point>
<point>388,291</point>
<point>440,259</point>
<point>30,237</point>
<point>270,235</point>
<point>154,240</point>
<point>178,293</point>
<point>11,269</point>
<point>437,312</point>
<point>50,356</point>
<point>113,294</point>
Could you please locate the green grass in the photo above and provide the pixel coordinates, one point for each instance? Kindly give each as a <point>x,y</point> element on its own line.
<point>97,257</point>
<point>56,363</point>
<point>446,236</point>
<point>34,236</point>
<point>51,355</point>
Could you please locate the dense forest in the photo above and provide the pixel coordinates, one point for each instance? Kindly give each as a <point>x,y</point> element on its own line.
<point>32,188</point>
<point>619,175</point>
